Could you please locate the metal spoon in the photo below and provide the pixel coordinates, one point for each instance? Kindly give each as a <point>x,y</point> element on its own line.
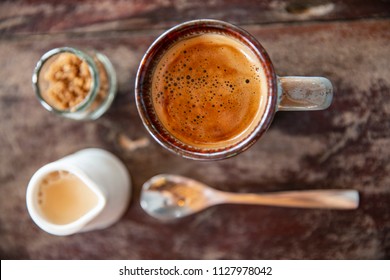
<point>167,197</point>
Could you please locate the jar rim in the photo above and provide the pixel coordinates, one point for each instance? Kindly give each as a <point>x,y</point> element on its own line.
<point>92,67</point>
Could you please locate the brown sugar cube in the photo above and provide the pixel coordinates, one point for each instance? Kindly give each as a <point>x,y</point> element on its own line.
<point>84,70</point>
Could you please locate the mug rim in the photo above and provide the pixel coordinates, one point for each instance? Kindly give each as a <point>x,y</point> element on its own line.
<point>145,72</point>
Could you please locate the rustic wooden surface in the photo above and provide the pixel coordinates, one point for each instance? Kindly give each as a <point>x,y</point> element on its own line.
<point>346,146</point>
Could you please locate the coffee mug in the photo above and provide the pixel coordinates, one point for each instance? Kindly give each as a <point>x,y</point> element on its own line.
<point>207,90</point>
<point>84,191</point>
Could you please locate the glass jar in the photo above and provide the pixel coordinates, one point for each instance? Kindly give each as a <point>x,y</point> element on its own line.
<point>75,84</point>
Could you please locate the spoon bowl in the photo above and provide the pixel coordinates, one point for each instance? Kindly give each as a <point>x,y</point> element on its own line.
<point>167,197</point>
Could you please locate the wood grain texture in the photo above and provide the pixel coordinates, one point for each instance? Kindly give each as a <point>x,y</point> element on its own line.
<point>37,16</point>
<point>346,146</point>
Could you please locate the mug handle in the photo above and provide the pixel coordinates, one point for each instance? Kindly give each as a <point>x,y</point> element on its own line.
<point>304,93</point>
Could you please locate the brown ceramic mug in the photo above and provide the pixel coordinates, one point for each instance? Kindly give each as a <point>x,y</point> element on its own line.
<point>207,90</point>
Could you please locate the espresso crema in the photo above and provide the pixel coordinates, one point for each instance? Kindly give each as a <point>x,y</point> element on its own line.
<point>209,90</point>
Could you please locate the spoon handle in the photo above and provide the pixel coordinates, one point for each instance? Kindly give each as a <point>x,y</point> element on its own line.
<point>331,199</point>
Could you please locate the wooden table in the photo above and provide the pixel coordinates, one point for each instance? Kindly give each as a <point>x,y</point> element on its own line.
<point>346,146</point>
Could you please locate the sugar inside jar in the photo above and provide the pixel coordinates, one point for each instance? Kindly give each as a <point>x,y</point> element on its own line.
<point>75,84</point>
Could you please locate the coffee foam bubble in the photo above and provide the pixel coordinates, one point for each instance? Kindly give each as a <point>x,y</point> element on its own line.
<point>208,89</point>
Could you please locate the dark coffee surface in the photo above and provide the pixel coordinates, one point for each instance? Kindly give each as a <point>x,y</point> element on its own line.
<point>209,90</point>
